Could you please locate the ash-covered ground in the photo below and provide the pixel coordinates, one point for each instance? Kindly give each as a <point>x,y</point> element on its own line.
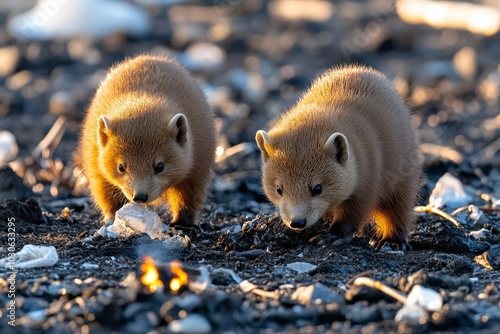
<point>254,59</point>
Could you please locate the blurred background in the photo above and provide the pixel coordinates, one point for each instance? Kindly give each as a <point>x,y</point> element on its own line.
<point>253,59</point>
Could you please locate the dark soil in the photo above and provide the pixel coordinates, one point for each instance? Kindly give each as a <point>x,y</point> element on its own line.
<point>448,110</point>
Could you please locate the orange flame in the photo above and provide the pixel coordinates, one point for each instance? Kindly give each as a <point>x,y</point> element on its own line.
<point>181,277</point>
<point>150,277</point>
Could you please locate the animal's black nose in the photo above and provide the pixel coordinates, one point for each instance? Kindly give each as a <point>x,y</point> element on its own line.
<point>299,223</point>
<point>140,198</point>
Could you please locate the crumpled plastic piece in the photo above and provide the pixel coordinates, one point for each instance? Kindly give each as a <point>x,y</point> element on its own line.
<point>132,219</point>
<point>32,256</point>
<point>449,191</point>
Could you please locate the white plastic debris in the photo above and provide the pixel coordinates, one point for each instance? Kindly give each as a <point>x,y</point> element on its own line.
<point>449,191</point>
<point>88,265</point>
<point>50,20</point>
<point>31,256</point>
<point>132,219</point>
<point>8,147</point>
<point>419,300</point>
<point>193,323</point>
<point>301,267</point>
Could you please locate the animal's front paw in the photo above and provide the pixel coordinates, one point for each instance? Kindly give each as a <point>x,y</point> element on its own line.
<point>331,239</point>
<point>389,246</point>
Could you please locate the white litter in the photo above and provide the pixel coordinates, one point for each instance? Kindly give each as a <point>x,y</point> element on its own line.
<point>132,219</point>
<point>8,147</point>
<point>449,191</point>
<point>51,19</point>
<point>31,256</point>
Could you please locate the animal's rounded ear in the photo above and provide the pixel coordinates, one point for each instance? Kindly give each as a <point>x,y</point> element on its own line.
<point>265,144</point>
<point>338,146</point>
<point>179,128</point>
<point>104,130</point>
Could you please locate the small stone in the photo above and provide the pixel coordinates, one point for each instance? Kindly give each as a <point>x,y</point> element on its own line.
<point>34,304</point>
<point>316,293</point>
<point>490,259</point>
<point>62,103</point>
<point>410,313</point>
<point>189,302</point>
<point>203,57</point>
<point>301,267</point>
<point>481,234</point>
<point>88,265</point>
<point>9,58</point>
<point>177,243</point>
<point>465,63</point>
<point>19,80</point>
<point>360,314</point>
<point>425,298</point>
<point>193,323</point>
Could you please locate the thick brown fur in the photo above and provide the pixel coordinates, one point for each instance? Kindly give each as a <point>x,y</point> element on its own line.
<point>371,172</point>
<point>147,111</point>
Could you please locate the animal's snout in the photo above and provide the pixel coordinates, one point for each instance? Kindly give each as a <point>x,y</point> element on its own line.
<point>298,223</point>
<point>140,198</point>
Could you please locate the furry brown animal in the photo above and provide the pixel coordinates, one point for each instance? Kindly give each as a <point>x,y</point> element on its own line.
<point>148,137</point>
<point>345,153</point>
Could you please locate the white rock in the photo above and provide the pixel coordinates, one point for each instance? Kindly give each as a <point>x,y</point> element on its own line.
<point>316,293</point>
<point>481,234</point>
<point>425,298</point>
<point>8,147</point>
<point>31,256</point>
<point>301,267</point>
<point>193,323</point>
<point>88,265</point>
<point>177,243</point>
<point>203,57</point>
<point>51,19</point>
<point>409,313</point>
<point>132,219</point>
<point>449,191</point>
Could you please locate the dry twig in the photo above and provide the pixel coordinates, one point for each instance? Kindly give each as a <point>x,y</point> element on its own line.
<point>379,286</point>
<point>436,211</point>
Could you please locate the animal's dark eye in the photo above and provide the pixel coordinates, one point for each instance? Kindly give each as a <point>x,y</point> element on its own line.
<point>279,191</point>
<point>316,190</point>
<point>121,168</point>
<point>159,167</point>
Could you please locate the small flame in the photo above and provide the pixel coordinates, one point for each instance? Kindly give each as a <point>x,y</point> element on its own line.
<point>181,277</point>
<point>150,277</point>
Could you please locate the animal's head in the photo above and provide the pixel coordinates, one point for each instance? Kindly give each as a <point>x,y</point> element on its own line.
<point>306,179</point>
<point>143,157</point>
